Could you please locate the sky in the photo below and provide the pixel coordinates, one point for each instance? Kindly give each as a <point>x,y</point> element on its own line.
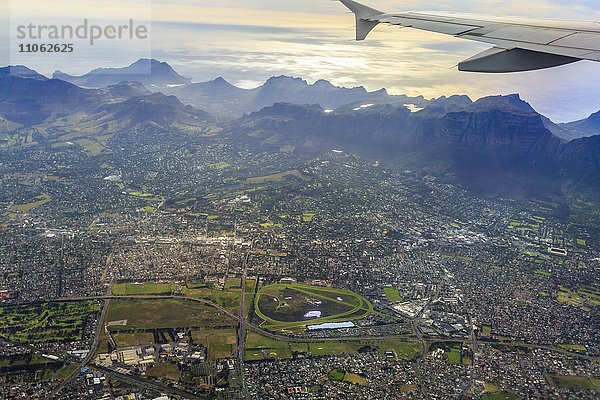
<point>247,41</point>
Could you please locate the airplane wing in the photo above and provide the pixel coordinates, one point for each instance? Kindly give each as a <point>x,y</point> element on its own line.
<point>519,45</point>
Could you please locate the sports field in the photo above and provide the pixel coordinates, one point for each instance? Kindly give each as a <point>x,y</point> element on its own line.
<point>294,306</point>
<point>259,347</point>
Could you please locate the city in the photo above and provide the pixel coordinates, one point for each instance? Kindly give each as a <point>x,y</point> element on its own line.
<point>166,261</point>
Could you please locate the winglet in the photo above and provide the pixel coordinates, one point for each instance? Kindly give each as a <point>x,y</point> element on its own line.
<point>362,13</point>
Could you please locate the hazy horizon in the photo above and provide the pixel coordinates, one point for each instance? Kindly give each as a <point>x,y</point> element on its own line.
<point>248,42</point>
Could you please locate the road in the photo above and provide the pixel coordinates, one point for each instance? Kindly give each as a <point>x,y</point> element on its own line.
<point>417,320</point>
<point>90,355</point>
<point>277,336</point>
<point>149,385</point>
<point>242,325</point>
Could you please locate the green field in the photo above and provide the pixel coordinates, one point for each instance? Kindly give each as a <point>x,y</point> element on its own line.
<point>393,294</point>
<point>220,165</point>
<point>404,350</point>
<point>336,375</point>
<point>221,343</point>
<point>38,368</point>
<point>24,208</point>
<point>284,306</point>
<point>127,339</point>
<point>166,370</point>
<point>91,146</point>
<point>584,298</point>
<point>499,396</point>
<point>308,216</point>
<point>233,283</point>
<point>573,382</point>
<point>451,353</point>
<point>259,347</point>
<point>339,375</point>
<point>146,288</point>
<point>229,299</point>
<point>408,388</point>
<point>278,177</point>
<point>45,322</point>
<point>574,347</point>
<point>167,313</point>
<point>65,372</point>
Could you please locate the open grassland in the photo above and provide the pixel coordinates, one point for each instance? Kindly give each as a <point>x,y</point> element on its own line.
<point>574,347</point>
<point>45,322</point>
<point>259,347</point>
<point>308,216</point>
<point>228,299</point>
<point>278,177</point>
<point>167,313</point>
<point>24,208</point>
<point>407,350</point>
<point>285,306</point>
<point>220,165</point>
<point>146,288</point>
<point>393,294</point>
<point>91,146</point>
<point>233,283</point>
<point>339,375</point>
<point>573,382</point>
<point>166,370</point>
<point>354,378</point>
<point>503,395</point>
<point>221,343</point>
<point>65,372</point>
<point>131,339</point>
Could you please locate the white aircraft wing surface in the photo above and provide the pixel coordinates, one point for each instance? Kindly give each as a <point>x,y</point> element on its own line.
<point>519,44</point>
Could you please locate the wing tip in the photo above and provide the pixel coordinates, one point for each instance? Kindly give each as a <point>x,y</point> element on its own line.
<point>362,12</point>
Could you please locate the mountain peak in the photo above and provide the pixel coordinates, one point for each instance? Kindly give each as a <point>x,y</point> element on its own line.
<point>511,102</point>
<point>220,82</point>
<point>323,83</point>
<point>20,71</point>
<point>284,79</point>
<point>148,71</point>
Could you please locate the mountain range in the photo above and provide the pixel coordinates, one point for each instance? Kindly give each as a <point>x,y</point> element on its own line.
<point>496,144</point>
<point>223,99</point>
<point>29,99</point>
<point>149,72</point>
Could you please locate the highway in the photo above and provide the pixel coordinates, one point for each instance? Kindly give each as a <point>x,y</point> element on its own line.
<point>150,385</point>
<point>242,325</point>
<point>246,325</point>
<point>297,339</point>
<point>90,355</point>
